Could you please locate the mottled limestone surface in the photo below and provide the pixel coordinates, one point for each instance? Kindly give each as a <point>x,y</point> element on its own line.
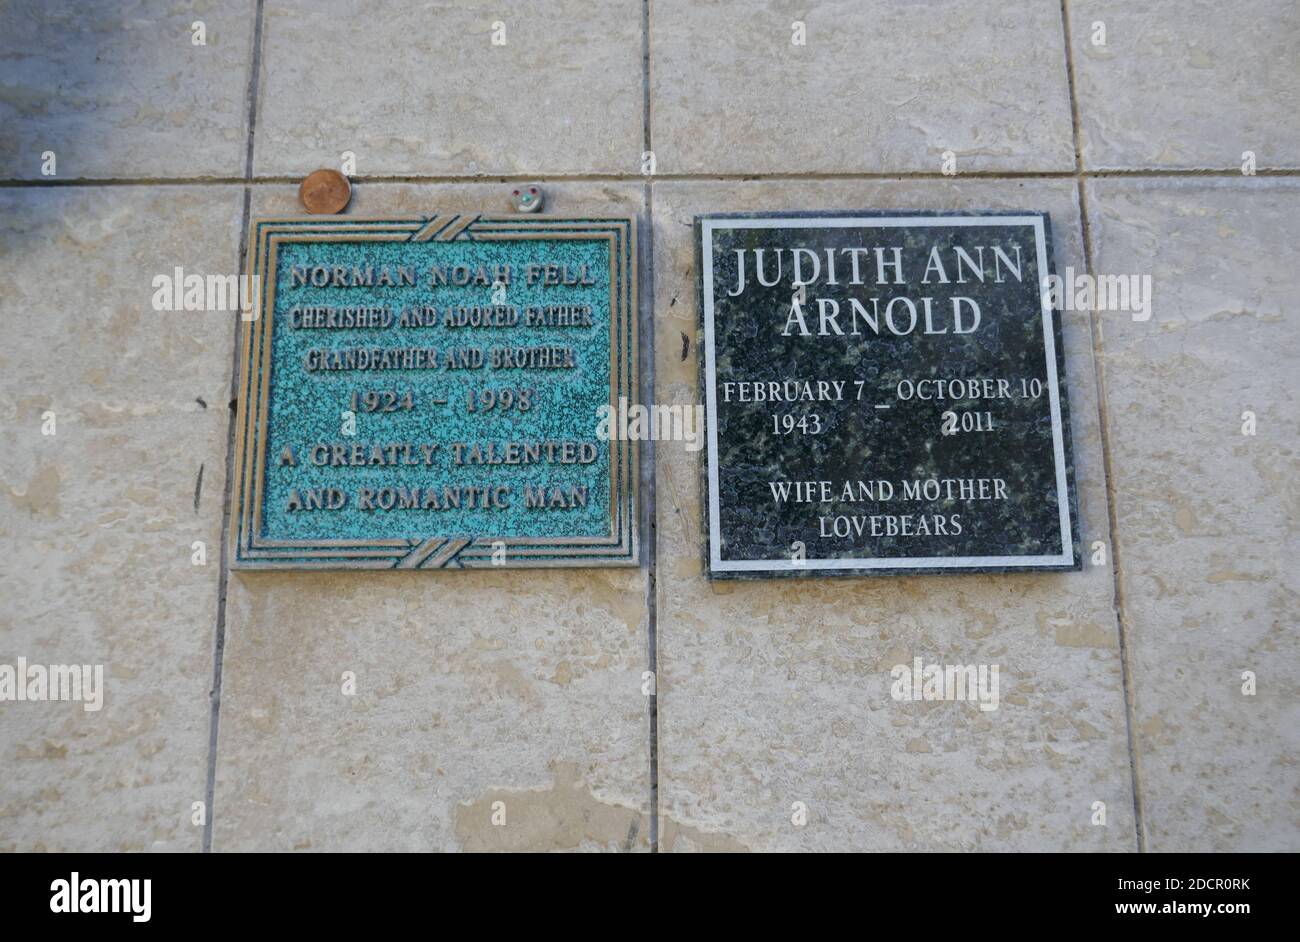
<point>1187,83</point>
<point>1207,515</point>
<point>472,688</point>
<point>98,520</point>
<point>521,694</point>
<point>121,90</point>
<point>773,693</point>
<point>875,87</point>
<point>423,88</point>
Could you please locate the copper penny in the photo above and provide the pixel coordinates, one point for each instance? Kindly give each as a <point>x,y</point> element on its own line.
<point>325,192</point>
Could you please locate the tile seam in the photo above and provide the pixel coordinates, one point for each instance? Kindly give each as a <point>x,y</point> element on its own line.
<point>649,455</point>
<point>223,578</point>
<point>741,177</point>
<point>1103,416</point>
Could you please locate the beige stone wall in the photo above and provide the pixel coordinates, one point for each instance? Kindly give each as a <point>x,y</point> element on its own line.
<point>1121,684</point>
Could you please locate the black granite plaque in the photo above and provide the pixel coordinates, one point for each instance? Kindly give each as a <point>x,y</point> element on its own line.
<point>885,393</point>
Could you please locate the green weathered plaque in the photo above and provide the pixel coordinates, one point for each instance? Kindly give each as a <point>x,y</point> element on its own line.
<point>428,392</point>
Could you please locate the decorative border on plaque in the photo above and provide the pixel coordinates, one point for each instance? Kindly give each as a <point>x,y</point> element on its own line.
<point>1070,557</point>
<point>618,547</point>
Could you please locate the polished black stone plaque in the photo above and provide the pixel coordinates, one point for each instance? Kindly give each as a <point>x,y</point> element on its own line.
<point>884,393</point>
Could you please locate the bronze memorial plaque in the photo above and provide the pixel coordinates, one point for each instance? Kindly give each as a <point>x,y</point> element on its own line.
<point>432,392</point>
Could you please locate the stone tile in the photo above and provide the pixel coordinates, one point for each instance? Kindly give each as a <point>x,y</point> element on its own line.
<point>421,89</point>
<point>1187,83</point>
<point>777,692</point>
<point>878,87</point>
<point>97,521</point>
<point>473,687</point>
<point>117,88</point>
<point>1207,515</point>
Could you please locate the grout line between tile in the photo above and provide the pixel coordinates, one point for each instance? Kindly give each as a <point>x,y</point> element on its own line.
<point>219,644</point>
<point>1103,415</point>
<point>291,180</point>
<point>648,455</point>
